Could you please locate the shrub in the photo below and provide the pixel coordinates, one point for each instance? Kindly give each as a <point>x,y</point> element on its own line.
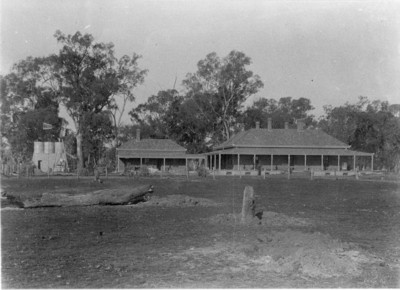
<point>144,171</point>
<point>202,171</point>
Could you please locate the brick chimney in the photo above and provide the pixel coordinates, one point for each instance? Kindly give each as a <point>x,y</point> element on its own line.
<point>137,134</point>
<point>269,124</point>
<point>286,125</point>
<point>300,125</point>
<point>258,125</point>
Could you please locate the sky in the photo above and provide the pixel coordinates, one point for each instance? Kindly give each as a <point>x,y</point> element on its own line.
<point>328,51</point>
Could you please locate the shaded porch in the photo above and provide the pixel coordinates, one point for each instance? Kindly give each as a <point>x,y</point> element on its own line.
<point>239,160</point>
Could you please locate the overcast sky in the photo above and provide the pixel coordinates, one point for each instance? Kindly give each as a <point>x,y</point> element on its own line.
<point>328,51</point>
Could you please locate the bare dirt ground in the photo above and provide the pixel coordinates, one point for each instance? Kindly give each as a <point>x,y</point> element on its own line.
<point>320,233</point>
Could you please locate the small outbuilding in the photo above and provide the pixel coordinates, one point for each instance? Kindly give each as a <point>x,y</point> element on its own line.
<point>299,149</point>
<point>158,154</point>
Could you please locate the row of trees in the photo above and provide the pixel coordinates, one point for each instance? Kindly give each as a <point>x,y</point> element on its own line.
<point>87,78</point>
<point>95,87</point>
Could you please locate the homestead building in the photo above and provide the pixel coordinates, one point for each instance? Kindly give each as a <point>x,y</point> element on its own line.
<point>276,150</point>
<point>161,154</point>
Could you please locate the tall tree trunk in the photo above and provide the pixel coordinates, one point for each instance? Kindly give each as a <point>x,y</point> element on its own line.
<point>79,151</point>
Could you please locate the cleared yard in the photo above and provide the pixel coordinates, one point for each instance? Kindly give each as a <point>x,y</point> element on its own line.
<point>319,233</point>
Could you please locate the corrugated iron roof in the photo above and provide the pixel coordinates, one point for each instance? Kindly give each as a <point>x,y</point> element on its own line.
<point>152,145</point>
<point>157,154</point>
<point>282,138</point>
<point>291,151</point>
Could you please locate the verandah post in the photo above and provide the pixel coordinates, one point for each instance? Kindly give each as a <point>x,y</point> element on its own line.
<point>372,162</point>
<point>305,162</point>
<point>322,162</point>
<point>272,161</point>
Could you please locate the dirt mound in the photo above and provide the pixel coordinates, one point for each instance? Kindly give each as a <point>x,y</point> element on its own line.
<point>267,218</point>
<point>286,253</point>
<point>312,254</point>
<point>177,200</point>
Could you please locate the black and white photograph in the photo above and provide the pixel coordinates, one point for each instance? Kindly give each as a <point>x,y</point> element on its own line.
<point>200,144</point>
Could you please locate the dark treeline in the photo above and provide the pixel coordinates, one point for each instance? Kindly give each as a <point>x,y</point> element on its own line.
<point>95,87</point>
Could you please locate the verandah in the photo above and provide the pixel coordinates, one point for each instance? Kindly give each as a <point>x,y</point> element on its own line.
<point>249,162</point>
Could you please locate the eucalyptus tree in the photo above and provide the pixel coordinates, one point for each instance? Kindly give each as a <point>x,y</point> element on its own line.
<point>91,80</point>
<point>26,103</point>
<point>221,86</point>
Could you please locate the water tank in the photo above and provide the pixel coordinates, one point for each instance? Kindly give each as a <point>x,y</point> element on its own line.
<point>48,147</point>
<point>59,147</point>
<point>38,147</point>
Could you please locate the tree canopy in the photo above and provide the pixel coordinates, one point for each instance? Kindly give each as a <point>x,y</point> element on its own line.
<point>95,87</point>
<point>27,103</point>
<point>366,126</point>
<point>221,86</point>
<point>286,109</point>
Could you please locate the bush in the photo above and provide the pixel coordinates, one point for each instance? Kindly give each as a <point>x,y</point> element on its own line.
<point>144,171</point>
<point>83,172</point>
<point>202,171</point>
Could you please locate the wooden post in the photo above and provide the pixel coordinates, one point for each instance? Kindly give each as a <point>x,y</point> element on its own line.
<point>372,162</point>
<point>354,162</point>
<point>288,169</point>
<point>338,162</point>
<point>272,161</point>
<point>48,168</point>
<point>305,162</point>
<point>248,206</point>
<point>240,171</point>
<point>322,162</point>
<point>219,161</point>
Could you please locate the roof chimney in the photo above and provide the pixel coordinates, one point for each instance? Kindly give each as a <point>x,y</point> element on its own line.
<point>286,125</point>
<point>300,125</point>
<point>269,124</point>
<point>137,134</point>
<point>258,125</point>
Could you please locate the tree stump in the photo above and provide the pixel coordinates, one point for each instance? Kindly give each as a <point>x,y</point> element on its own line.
<point>248,206</point>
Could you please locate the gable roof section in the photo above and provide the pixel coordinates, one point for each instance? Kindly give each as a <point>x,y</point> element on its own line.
<point>163,145</point>
<point>282,138</point>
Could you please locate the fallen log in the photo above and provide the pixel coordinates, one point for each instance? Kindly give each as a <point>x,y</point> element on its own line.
<point>114,196</point>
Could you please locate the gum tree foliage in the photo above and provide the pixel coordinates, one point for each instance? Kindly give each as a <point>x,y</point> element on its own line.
<point>26,103</point>
<point>98,130</point>
<point>285,110</point>
<point>84,70</point>
<point>90,80</point>
<point>219,88</point>
<point>129,77</point>
<point>152,116</point>
<point>189,128</point>
<point>168,115</point>
<point>367,126</point>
